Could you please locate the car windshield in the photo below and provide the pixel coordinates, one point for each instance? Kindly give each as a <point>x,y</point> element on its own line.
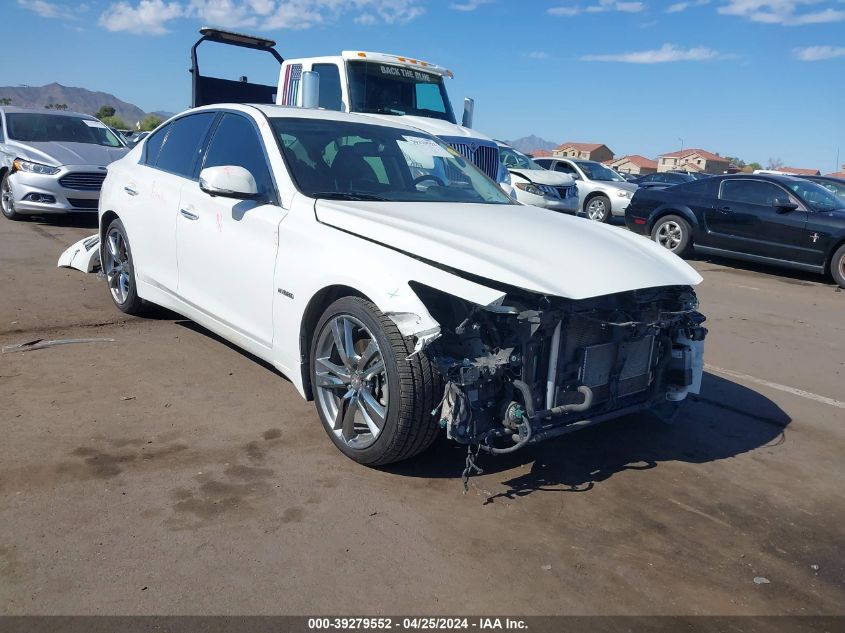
<point>344,160</point>
<point>513,159</point>
<point>597,171</point>
<point>44,128</point>
<point>818,198</point>
<point>386,89</point>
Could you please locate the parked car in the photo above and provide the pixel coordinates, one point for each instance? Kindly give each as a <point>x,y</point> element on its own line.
<point>303,237</point>
<point>628,177</point>
<point>770,219</point>
<point>602,192</point>
<point>835,185</point>
<point>53,162</point>
<point>663,179</point>
<point>535,185</point>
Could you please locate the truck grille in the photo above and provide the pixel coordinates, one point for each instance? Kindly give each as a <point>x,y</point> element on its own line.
<point>485,157</point>
<point>82,181</point>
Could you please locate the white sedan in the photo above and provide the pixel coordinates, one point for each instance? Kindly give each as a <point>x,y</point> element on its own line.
<point>393,282</point>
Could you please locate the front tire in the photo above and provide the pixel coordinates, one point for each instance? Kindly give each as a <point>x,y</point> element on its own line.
<point>674,234</point>
<point>837,266</point>
<point>7,199</point>
<point>373,398</point>
<point>598,209</point>
<point>119,268</point>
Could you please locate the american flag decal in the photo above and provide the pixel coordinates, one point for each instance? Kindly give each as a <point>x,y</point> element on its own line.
<point>290,89</point>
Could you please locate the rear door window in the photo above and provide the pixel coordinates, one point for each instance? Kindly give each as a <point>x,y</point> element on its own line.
<point>183,145</point>
<point>752,192</point>
<point>153,146</point>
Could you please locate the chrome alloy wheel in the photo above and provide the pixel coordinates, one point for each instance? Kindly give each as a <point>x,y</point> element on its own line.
<point>351,381</point>
<point>117,266</point>
<point>670,234</point>
<point>842,266</point>
<point>597,209</point>
<point>7,200</point>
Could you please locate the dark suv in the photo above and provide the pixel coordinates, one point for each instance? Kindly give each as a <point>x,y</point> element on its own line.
<point>778,220</point>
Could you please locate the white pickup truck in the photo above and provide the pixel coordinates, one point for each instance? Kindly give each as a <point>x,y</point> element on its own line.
<point>377,84</point>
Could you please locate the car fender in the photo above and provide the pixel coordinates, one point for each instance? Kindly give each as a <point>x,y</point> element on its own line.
<point>672,209</point>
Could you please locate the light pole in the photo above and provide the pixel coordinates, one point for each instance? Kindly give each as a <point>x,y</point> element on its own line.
<point>682,142</point>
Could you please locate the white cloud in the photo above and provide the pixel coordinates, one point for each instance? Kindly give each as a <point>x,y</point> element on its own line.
<point>469,5</point>
<point>150,17</point>
<point>538,55</point>
<point>51,9</point>
<point>678,7</point>
<point>664,54</point>
<point>818,53</point>
<point>603,6</point>
<point>785,12</point>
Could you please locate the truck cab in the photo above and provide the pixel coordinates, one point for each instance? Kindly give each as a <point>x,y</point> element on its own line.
<point>376,84</point>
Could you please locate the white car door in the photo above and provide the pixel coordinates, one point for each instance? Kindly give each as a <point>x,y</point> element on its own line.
<point>152,195</point>
<point>226,248</point>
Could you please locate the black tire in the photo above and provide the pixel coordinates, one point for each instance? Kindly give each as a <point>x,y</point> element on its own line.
<point>602,208</point>
<point>413,386</point>
<point>674,234</point>
<point>7,203</point>
<point>837,266</point>
<point>131,302</point>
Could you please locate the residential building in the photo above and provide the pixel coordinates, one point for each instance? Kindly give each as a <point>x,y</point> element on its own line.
<point>693,160</point>
<point>587,151</point>
<point>838,174</point>
<point>633,164</point>
<point>799,171</point>
<point>540,153</point>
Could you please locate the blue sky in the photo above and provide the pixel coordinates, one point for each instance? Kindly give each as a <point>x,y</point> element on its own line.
<point>757,79</point>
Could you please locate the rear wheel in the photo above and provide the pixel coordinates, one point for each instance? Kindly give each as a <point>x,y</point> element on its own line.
<point>673,233</point>
<point>118,266</point>
<point>7,199</point>
<point>837,266</point>
<point>598,208</point>
<point>373,398</point>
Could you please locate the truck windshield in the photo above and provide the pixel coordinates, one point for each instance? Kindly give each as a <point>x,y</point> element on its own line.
<point>344,160</point>
<point>386,89</point>
<point>43,128</point>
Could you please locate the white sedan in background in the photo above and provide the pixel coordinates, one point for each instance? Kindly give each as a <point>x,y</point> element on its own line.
<point>393,282</point>
<point>535,185</point>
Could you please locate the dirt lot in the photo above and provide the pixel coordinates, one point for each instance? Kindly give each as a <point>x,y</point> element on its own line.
<point>169,473</point>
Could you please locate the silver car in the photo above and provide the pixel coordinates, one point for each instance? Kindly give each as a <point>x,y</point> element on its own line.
<point>53,162</point>
<point>602,192</point>
<point>535,185</point>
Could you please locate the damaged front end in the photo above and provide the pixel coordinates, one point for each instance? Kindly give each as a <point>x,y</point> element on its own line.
<point>536,367</point>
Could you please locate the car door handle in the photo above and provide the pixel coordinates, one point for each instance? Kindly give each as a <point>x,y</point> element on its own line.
<point>187,214</point>
<point>130,191</point>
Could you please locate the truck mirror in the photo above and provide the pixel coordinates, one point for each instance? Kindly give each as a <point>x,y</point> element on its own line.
<point>469,110</point>
<point>309,97</point>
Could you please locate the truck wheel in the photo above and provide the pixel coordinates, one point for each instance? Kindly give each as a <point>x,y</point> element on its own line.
<point>837,266</point>
<point>118,266</point>
<point>373,398</point>
<point>673,233</point>
<point>7,199</point>
<point>598,208</point>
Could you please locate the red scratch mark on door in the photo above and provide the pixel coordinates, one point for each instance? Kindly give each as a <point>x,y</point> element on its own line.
<point>219,222</point>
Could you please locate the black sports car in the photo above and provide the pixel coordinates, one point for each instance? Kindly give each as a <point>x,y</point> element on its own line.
<point>778,220</point>
<point>663,179</point>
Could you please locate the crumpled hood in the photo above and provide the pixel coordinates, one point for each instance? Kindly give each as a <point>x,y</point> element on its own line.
<point>57,153</point>
<point>544,176</point>
<point>524,246</point>
<point>435,127</point>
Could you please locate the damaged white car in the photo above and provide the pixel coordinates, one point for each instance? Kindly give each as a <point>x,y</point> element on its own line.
<point>393,282</point>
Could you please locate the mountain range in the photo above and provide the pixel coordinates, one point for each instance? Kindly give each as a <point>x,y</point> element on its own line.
<point>530,143</point>
<point>76,99</point>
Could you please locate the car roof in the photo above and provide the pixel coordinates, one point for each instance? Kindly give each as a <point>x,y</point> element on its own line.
<point>16,109</point>
<point>279,111</point>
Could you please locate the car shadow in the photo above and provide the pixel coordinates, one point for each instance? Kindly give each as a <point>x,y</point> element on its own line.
<point>786,275</point>
<point>727,420</point>
<point>75,220</point>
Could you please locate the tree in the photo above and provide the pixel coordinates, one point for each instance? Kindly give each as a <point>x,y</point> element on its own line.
<point>115,122</point>
<point>735,160</point>
<point>104,111</point>
<point>150,122</point>
<point>775,164</point>
<point>5,101</point>
<point>56,106</point>
<point>755,166</point>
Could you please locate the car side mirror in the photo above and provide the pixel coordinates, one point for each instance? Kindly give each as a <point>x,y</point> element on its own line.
<point>783,206</point>
<point>228,181</point>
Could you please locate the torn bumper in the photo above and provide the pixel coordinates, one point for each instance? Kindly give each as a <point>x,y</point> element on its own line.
<point>84,255</point>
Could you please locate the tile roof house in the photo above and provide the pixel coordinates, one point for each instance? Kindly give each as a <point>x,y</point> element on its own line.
<point>540,153</point>
<point>838,174</point>
<point>693,160</point>
<point>633,164</point>
<point>587,151</point>
<point>800,171</point>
